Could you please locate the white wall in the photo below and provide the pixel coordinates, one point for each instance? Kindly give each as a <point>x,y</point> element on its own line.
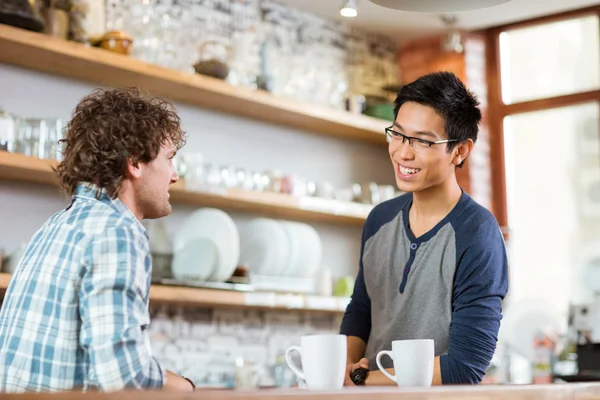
<point>223,139</point>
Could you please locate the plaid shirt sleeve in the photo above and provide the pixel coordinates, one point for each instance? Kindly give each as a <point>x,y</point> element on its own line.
<point>114,313</point>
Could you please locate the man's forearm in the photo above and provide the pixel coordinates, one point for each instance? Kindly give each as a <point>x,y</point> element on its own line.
<point>377,378</point>
<point>176,383</point>
<point>356,348</point>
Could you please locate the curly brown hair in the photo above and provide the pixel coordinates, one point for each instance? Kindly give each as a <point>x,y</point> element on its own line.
<point>110,126</point>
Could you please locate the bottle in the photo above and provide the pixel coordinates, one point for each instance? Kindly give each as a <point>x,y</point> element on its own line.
<point>543,354</point>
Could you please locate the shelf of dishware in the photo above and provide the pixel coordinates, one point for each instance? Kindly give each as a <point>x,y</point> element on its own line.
<point>200,297</point>
<point>14,166</point>
<point>75,60</point>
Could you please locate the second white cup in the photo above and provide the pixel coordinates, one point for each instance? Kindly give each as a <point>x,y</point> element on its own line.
<point>413,362</point>
<point>323,361</point>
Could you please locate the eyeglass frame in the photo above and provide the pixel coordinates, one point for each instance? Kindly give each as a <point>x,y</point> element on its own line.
<point>389,132</point>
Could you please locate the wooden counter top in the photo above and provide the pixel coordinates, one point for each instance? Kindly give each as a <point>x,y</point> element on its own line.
<point>573,391</point>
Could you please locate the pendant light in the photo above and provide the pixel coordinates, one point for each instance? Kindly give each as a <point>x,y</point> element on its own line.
<point>349,9</point>
<point>437,6</point>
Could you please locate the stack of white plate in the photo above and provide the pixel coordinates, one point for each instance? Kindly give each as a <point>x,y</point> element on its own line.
<point>206,248</point>
<point>280,248</point>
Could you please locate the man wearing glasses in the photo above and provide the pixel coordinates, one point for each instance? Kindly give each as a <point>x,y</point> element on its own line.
<point>433,263</point>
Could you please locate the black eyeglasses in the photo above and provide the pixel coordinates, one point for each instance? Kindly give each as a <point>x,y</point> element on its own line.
<point>398,138</point>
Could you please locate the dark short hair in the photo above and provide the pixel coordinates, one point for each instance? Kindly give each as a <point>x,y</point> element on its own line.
<point>109,127</point>
<point>450,98</point>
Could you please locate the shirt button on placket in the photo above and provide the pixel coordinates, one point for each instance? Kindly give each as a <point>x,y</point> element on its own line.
<point>413,246</point>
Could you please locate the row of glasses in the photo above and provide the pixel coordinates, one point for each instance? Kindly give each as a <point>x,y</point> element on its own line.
<point>265,55</point>
<point>211,177</point>
<point>38,137</point>
<point>286,52</point>
<point>34,137</point>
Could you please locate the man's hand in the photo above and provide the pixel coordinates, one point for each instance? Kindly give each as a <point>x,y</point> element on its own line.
<point>363,363</point>
<point>176,383</point>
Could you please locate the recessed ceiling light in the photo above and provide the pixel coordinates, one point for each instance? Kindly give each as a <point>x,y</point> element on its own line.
<point>438,6</point>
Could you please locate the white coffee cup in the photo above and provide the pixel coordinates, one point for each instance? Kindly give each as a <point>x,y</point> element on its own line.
<point>323,361</point>
<point>413,362</point>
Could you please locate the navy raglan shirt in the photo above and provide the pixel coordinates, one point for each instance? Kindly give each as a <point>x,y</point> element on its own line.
<point>446,285</point>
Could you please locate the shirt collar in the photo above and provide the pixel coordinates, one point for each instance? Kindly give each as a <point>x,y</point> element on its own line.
<point>90,191</point>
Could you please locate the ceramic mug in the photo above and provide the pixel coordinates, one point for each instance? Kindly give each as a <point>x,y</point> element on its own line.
<point>413,362</point>
<point>323,361</point>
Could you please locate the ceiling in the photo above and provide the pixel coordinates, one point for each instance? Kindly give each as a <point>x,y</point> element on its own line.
<point>403,25</point>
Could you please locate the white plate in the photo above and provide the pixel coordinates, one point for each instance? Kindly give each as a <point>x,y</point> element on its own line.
<point>295,247</point>
<point>264,246</point>
<point>218,227</point>
<point>196,260</point>
<point>310,254</point>
<point>305,250</point>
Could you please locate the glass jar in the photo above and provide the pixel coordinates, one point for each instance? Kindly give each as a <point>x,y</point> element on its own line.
<point>8,131</point>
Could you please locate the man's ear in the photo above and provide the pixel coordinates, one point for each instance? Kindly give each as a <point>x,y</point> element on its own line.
<point>133,170</point>
<point>462,151</point>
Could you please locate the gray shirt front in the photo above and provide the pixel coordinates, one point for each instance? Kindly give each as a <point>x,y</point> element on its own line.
<point>427,312</point>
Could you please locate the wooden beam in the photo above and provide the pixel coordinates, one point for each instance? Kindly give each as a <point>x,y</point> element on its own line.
<point>549,103</point>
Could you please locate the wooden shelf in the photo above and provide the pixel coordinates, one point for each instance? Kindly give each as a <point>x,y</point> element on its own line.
<point>74,60</point>
<point>198,297</point>
<point>18,167</point>
<point>255,300</point>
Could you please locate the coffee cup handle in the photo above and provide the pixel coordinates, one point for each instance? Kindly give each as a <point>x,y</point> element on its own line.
<point>378,360</point>
<point>291,364</point>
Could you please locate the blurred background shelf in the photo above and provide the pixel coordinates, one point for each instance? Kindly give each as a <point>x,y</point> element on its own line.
<point>22,168</point>
<point>73,60</point>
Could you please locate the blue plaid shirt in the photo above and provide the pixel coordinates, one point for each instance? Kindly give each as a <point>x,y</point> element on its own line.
<point>75,313</point>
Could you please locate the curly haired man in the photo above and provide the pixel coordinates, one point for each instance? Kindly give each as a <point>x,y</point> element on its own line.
<point>76,310</point>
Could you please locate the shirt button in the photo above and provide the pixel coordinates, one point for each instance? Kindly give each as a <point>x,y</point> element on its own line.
<point>406,270</point>
<point>413,246</point>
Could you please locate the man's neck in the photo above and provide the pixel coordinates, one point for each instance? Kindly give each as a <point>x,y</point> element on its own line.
<point>127,197</point>
<point>437,201</point>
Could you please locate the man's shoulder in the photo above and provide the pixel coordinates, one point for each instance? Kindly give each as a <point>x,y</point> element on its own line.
<point>479,243</point>
<point>95,218</point>
<point>385,212</point>
<point>481,250</point>
<point>475,223</point>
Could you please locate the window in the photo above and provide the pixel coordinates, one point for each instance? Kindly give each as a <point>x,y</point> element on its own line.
<point>552,160</point>
<point>544,107</point>
<point>551,59</point>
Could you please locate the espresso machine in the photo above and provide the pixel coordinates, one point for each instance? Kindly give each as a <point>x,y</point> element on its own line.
<point>584,330</point>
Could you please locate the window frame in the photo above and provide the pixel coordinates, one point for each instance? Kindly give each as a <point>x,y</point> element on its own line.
<point>498,110</point>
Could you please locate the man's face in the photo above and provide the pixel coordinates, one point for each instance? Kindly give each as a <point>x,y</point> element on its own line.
<point>419,167</point>
<point>152,189</point>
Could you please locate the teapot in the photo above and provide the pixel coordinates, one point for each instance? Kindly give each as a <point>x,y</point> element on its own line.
<point>24,14</point>
<point>214,65</point>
